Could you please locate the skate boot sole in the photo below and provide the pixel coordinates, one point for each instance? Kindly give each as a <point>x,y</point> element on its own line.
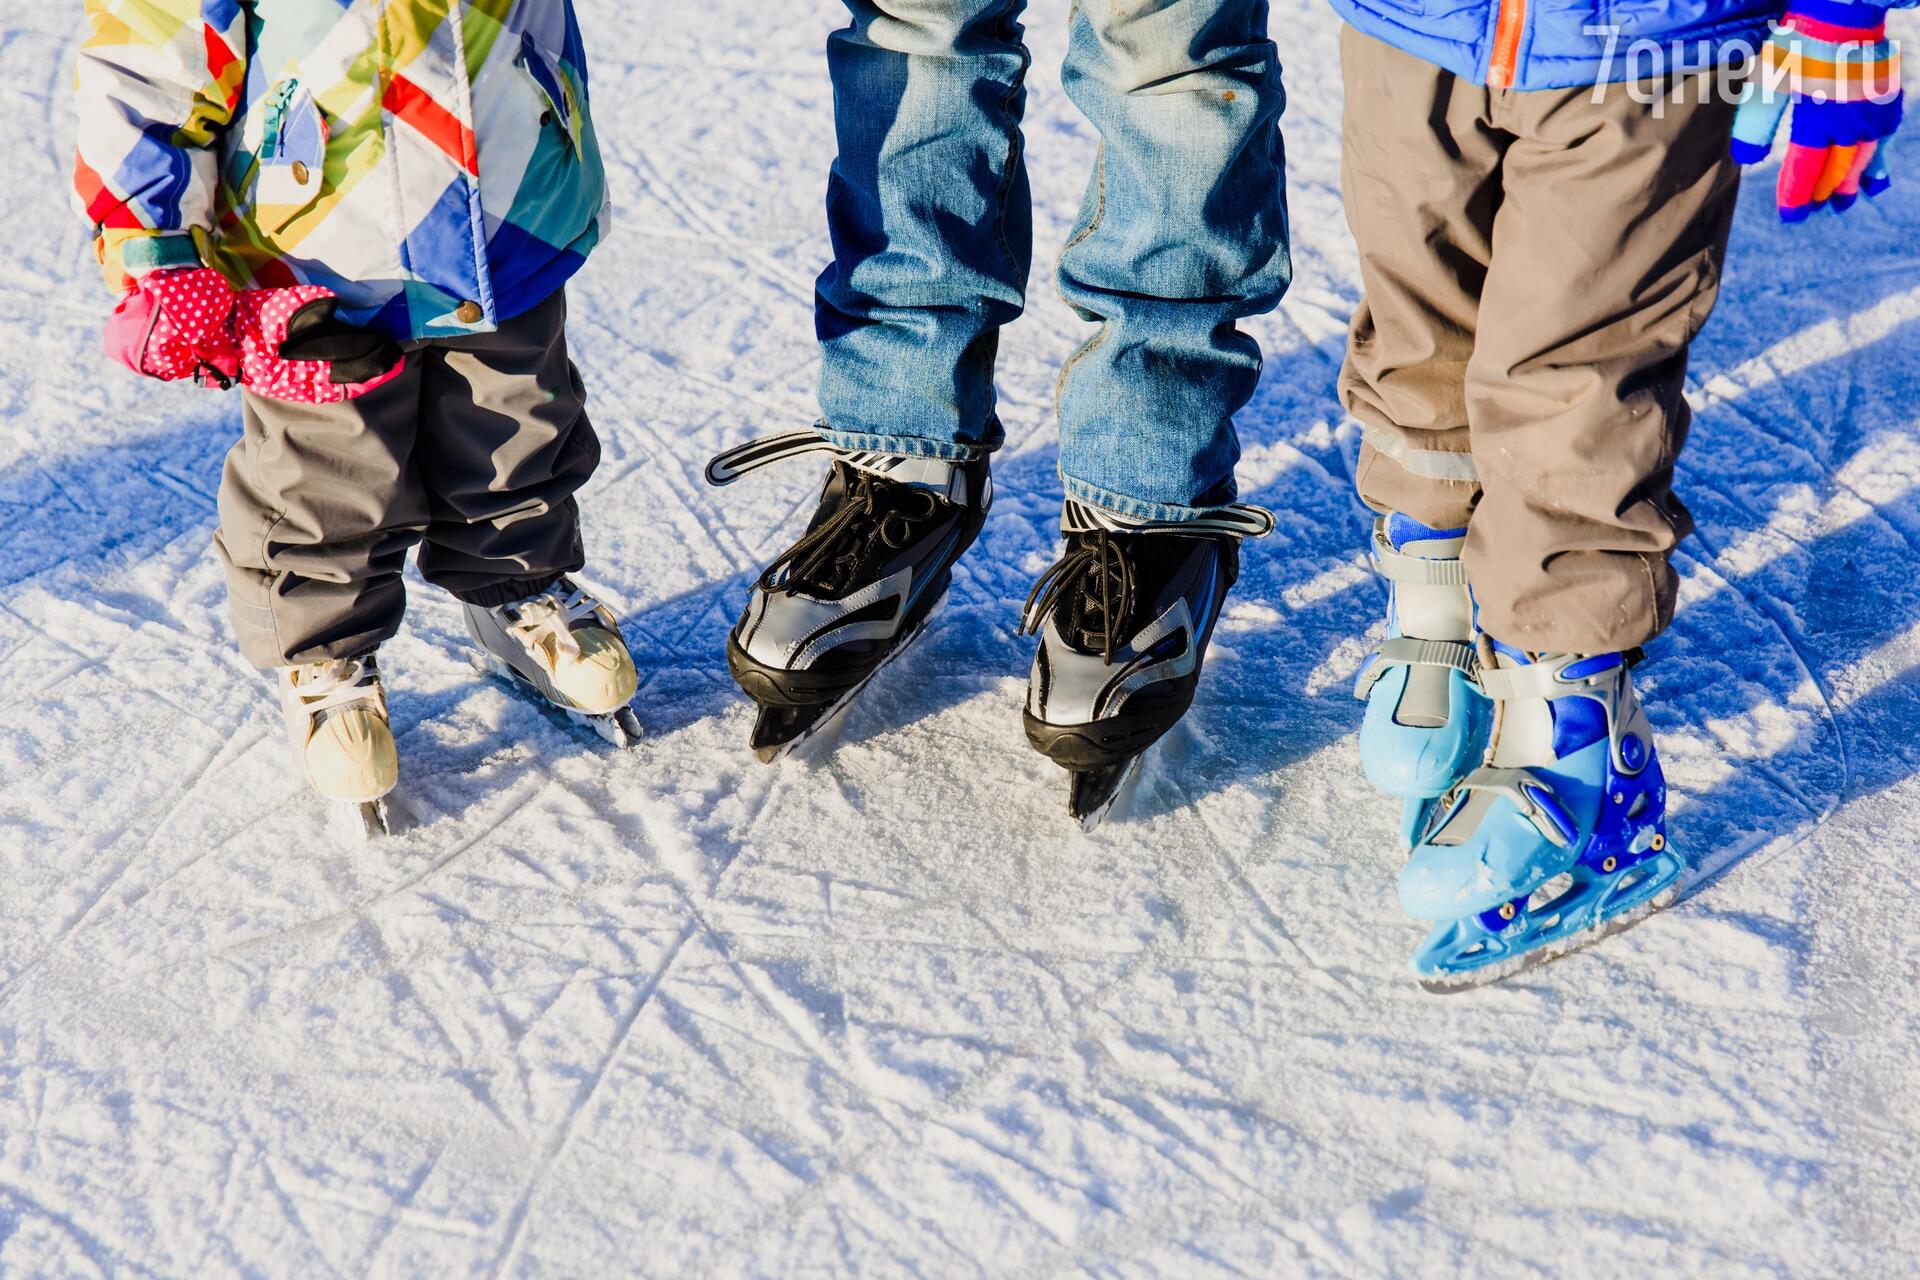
<point>1666,871</point>
<point>750,676</point>
<point>1573,942</point>
<point>1099,745</point>
<point>619,728</point>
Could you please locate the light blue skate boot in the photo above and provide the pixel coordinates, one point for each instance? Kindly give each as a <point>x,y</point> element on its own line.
<point>1427,723</point>
<point>1559,839</point>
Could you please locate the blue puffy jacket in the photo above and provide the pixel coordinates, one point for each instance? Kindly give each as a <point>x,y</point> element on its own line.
<point>1552,44</point>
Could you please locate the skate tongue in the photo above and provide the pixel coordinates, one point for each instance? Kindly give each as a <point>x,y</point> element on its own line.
<point>944,478</point>
<point>545,623</point>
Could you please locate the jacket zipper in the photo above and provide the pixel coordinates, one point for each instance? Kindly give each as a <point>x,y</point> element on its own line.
<point>1506,44</point>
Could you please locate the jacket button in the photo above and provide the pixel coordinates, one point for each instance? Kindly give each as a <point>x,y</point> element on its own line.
<point>469,313</point>
<point>546,117</point>
<point>300,172</point>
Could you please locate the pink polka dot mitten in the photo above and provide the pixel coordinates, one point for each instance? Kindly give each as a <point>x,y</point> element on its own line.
<point>177,323</point>
<point>294,347</point>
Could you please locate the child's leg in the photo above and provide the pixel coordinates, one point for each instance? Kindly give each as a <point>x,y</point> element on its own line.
<point>930,218</point>
<point>504,443</point>
<point>1182,234</point>
<point>1421,186</point>
<point>319,505</point>
<point>1421,182</point>
<point>1608,250</point>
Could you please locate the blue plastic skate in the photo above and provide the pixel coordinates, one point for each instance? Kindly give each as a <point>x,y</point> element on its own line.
<point>1427,722</point>
<point>1525,864</point>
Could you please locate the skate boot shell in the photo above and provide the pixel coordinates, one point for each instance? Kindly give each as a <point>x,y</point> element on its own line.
<point>858,587</point>
<point>1124,619</point>
<point>336,718</point>
<point>1426,722</point>
<point>1558,839</point>
<point>562,646</point>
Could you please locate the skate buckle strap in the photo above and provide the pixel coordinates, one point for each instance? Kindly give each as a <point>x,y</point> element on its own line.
<point>942,475</point>
<point>1405,651</point>
<point>1512,684</point>
<point>1529,794</point>
<point>730,465</point>
<point>1238,519</point>
<point>1398,566</point>
<point>1556,676</point>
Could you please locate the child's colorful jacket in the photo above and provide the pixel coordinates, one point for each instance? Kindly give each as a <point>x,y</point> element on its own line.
<point>431,161</point>
<point>1562,44</point>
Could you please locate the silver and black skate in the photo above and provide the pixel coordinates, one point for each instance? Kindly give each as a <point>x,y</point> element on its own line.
<point>857,589</point>
<point>1124,618</point>
<point>565,648</point>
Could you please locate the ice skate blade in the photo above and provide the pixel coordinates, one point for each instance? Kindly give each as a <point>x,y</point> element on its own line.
<point>1093,794</point>
<point>1494,973</point>
<point>772,741</point>
<point>361,822</point>
<point>620,728</point>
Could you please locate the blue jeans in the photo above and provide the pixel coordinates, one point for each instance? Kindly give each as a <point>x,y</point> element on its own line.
<point>1183,232</point>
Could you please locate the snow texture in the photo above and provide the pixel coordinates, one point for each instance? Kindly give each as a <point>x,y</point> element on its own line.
<point>885,1012</point>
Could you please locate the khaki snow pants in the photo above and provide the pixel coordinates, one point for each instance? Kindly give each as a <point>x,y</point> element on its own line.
<point>473,453</point>
<point>1535,266</point>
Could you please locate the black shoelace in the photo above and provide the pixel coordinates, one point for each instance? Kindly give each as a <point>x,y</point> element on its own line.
<point>1094,586</point>
<point>876,516</point>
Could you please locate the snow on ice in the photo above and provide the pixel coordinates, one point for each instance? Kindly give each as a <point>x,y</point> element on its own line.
<point>886,1012</point>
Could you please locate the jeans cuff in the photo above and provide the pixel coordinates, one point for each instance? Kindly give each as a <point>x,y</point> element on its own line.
<point>906,446</point>
<point>1133,508</point>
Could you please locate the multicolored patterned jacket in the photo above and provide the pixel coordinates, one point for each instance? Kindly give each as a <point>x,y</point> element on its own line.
<point>431,161</point>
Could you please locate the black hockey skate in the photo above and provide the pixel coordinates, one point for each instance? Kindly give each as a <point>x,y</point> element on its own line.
<point>857,589</point>
<point>1124,618</point>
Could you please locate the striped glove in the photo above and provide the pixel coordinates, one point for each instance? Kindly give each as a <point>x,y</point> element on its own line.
<point>1831,62</point>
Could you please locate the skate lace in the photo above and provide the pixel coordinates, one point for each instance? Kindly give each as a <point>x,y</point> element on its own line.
<point>1094,587</point>
<point>545,624</point>
<point>878,515</point>
<point>338,682</point>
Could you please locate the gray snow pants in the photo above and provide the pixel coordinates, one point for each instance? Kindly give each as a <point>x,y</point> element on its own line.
<point>1535,267</point>
<point>473,453</point>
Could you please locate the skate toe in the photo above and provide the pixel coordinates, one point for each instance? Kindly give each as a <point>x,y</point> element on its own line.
<point>1503,858</point>
<point>1421,760</point>
<point>351,757</point>
<point>602,678</point>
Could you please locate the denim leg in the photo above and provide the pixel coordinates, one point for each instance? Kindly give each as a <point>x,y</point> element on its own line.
<point>1183,233</point>
<point>931,222</point>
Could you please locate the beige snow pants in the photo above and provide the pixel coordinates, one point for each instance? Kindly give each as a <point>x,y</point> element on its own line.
<point>1535,266</point>
<point>473,453</point>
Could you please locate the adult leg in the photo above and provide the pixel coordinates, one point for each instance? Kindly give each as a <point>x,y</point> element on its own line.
<point>319,505</point>
<point>930,217</point>
<point>1420,177</point>
<point>1182,234</point>
<point>1608,252</point>
<point>505,442</point>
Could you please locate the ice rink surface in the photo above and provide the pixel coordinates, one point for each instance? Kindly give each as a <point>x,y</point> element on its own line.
<point>885,1012</point>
